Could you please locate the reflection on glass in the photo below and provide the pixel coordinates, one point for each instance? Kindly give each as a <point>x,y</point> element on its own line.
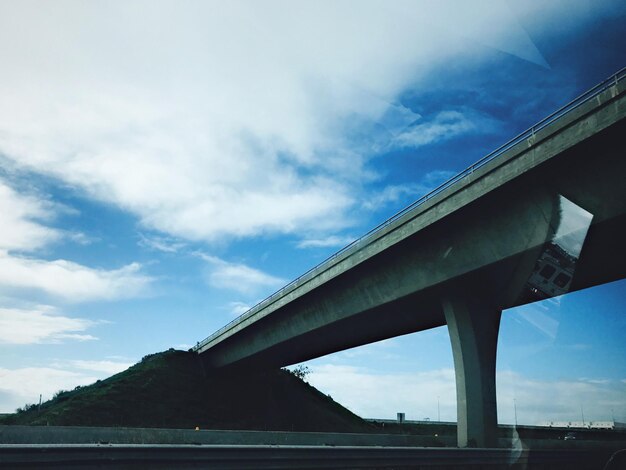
<point>555,266</point>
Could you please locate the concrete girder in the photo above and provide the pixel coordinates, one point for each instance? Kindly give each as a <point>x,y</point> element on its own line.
<point>485,226</point>
<point>378,299</point>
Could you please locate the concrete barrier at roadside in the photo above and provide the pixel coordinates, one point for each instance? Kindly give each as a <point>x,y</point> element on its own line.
<point>98,435</point>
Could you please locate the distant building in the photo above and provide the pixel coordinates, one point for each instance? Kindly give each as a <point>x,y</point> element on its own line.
<point>409,421</point>
<point>614,425</point>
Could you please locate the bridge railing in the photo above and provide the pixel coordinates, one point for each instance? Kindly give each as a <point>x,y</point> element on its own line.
<point>373,234</point>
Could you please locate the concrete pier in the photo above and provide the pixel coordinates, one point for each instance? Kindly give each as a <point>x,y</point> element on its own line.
<point>473,324</point>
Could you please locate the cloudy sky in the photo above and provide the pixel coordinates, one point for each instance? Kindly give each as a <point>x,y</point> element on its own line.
<point>165,165</point>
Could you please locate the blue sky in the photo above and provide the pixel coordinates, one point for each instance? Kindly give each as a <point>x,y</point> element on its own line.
<point>163,166</point>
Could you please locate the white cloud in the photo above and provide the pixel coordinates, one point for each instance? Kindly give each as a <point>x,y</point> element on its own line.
<point>444,126</point>
<point>19,218</point>
<point>406,193</point>
<point>40,325</point>
<point>238,277</point>
<point>330,241</point>
<point>595,381</point>
<point>108,367</point>
<point>392,194</point>
<point>80,238</point>
<point>21,386</point>
<point>381,395</point>
<point>238,308</point>
<point>23,216</point>
<point>205,121</point>
<point>557,400</point>
<point>165,244</point>
<point>70,281</point>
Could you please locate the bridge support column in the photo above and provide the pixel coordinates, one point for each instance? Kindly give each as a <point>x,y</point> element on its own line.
<point>473,325</point>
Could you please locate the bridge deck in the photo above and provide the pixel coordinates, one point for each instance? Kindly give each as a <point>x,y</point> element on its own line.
<point>491,172</point>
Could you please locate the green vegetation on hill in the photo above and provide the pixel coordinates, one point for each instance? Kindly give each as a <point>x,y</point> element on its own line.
<point>171,390</point>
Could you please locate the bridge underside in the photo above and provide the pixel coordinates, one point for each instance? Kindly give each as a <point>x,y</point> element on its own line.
<point>462,271</point>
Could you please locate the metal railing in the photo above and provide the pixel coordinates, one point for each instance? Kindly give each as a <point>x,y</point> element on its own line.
<point>372,235</point>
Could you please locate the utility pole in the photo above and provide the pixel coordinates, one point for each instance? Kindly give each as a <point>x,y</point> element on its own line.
<point>515,410</point>
<point>39,408</point>
<point>582,414</point>
<point>438,411</point>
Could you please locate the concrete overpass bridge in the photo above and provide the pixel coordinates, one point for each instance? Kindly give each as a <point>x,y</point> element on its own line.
<point>542,215</point>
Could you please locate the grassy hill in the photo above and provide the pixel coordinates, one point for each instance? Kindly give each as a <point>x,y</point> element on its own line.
<point>171,390</point>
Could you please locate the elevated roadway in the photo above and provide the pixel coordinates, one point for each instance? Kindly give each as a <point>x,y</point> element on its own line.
<point>459,256</point>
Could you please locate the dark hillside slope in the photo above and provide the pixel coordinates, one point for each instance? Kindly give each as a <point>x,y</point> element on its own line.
<point>170,390</point>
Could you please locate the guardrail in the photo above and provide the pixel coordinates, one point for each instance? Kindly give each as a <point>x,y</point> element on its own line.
<point>370,236</point>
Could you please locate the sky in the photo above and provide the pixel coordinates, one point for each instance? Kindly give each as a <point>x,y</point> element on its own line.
<point>166,165</point>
